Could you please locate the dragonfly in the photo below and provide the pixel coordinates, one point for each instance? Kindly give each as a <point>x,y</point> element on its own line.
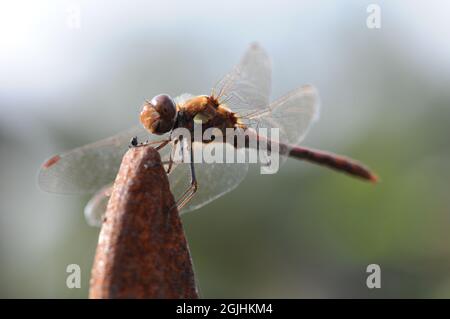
<point>240,100</point>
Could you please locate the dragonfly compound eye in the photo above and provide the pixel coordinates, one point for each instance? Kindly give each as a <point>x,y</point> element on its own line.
<point>158,115</point>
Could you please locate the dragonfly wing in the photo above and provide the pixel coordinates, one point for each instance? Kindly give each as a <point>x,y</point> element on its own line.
<point>95,209</point>
<point>214,179</point>
<point>248,85</point>
<point>292,114</point>
<point>86,169</point>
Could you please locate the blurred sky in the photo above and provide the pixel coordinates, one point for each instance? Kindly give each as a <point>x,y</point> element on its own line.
<point>72,72</point>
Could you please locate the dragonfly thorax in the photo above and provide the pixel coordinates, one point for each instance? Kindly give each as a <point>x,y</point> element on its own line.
<point>205,112</point>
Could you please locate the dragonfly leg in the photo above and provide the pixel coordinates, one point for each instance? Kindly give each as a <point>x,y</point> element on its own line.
<point>172,154</point>
<point>189,193</point>
<point>160,146</point>
<point>192,189</point>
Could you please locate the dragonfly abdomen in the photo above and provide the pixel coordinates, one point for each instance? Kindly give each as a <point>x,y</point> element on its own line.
<point>333,161</point>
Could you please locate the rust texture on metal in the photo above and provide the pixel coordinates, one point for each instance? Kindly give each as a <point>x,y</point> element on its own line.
<point>142,251</point>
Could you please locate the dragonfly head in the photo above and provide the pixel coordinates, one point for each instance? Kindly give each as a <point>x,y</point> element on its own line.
<point>158,115</point>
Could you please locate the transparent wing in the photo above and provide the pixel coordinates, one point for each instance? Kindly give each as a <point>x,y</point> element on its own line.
<point>214,180</point>
<point>248,85</point>
<point>86,169</point>
<point>96,207</point>
<point>292,114</point>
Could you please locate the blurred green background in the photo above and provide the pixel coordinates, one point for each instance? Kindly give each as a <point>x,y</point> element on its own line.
<point>72,72</point>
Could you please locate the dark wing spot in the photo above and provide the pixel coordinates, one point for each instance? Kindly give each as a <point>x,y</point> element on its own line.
<point>51,161</point>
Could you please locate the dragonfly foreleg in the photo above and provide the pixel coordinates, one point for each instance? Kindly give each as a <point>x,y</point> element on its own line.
<point>135,143</point>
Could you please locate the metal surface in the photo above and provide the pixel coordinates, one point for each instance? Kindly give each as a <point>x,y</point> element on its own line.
<point>142,251</point>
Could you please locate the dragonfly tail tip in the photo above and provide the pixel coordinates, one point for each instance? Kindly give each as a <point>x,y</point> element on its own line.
<point>373,178</point>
